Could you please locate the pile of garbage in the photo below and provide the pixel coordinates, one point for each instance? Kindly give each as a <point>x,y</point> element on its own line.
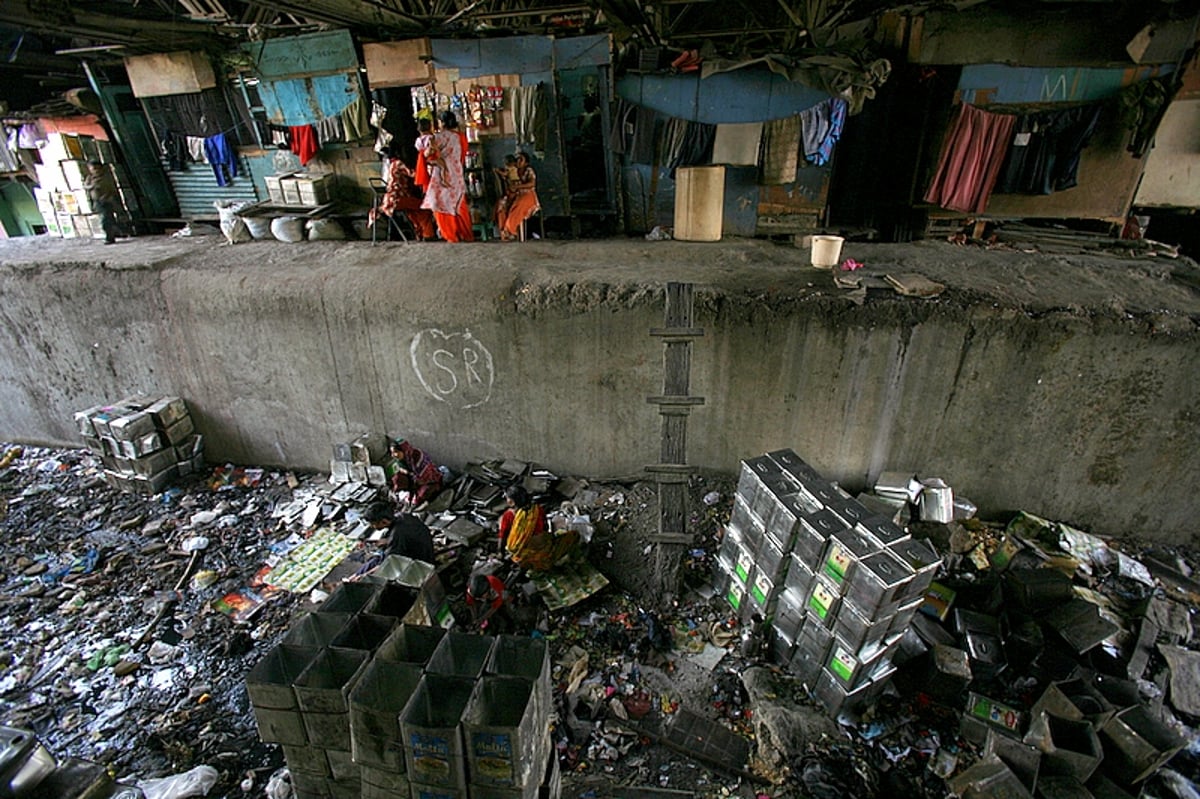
<point>132,621</point>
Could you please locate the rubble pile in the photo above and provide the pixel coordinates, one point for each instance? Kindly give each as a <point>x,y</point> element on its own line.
<point>145,636</point>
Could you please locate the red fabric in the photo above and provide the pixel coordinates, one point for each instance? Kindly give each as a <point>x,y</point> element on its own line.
<point>456,227</point>
<point>304,142</point>
<point>497,586</point>
<point>421,177</point>
<point>972,155</point>
<point>506,521</point>
<point>466,231</point>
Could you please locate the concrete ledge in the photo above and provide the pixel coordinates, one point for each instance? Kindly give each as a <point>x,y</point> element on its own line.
<point>1062,385</point>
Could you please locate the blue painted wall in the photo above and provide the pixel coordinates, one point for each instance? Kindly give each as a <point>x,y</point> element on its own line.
<point>997,84</point>
<point>536,59</point>
<point>303,79</point>
<point>754,94</point>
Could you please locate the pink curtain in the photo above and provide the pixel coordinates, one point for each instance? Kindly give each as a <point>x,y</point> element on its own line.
<point>972,155</point>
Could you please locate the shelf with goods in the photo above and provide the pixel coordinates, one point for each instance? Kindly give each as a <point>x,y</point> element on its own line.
<point>479,198</point>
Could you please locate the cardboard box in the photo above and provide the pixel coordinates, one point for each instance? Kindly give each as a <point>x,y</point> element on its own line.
<point>74,172</point>
<point>88,225</point>
<point>313,191</point>
<point>178,432</point>
<point>154,463</point>
<point>167,411</point>
<point>275,187</point>
<point>142,446</point>
<point>66,226</point>
<point>154,484</point>
<point>106,151</point>
<point>131,426</point>
<point>291,191</point>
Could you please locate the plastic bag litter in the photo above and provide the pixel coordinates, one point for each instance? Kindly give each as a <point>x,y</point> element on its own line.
<point>659,233</point>
<point>196,782</point>
<point>195,229</point>
<point>232,225</point>
<point>280,785</point>
<point>325,230</point>
<point>288,228</point>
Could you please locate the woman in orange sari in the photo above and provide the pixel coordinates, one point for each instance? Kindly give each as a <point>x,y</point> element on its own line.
<point>522,203</point>
<point>524,536</point>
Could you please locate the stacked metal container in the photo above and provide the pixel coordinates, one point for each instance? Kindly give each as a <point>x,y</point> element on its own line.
<point>143,443</point>
<point>367,705</point>
<point>838,585</point>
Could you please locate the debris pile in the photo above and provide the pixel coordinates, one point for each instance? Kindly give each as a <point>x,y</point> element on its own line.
<point>143,443</point>
<point>139,629</point>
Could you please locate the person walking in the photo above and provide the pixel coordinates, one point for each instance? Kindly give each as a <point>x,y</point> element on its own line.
<point>105,199</point>
<point>446,191</point>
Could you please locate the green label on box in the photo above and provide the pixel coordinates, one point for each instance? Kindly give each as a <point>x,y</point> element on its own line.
<point>996,713</point>
<point>821,600</point>
<point>837,564</point>
<point>843,664</point>
<point>741,569</point>
<point>762,587</point>
<point>735,597</point>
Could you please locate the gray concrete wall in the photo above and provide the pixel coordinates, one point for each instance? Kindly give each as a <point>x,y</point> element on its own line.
<point>515,352</point>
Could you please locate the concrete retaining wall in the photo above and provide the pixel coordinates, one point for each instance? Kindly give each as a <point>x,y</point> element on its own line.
<point>1085,420</point>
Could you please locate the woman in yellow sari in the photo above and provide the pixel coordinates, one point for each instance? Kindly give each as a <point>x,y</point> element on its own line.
<point>524,536</point>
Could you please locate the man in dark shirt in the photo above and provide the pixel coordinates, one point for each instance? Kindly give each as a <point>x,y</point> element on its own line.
<point>407,535</point>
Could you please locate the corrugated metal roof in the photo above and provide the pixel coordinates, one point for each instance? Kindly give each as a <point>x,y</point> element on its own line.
<point>196,189</point>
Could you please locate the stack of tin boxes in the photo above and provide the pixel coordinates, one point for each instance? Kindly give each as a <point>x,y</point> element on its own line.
<point>143,443</point>
<point>839,585</point>
<point>365,705</point>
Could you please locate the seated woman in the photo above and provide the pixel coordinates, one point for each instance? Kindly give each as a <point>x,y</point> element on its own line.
<point>414,473</point>
<point>522,202</point>
<point>524,536</point>
<point>402,194</point>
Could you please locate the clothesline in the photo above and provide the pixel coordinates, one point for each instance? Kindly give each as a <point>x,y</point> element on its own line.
<point>776,146</point>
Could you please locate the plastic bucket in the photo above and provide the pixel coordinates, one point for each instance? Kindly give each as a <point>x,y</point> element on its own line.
<point>826,251</point>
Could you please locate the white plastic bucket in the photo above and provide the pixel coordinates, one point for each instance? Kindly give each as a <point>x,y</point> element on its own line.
<point>826,251</point>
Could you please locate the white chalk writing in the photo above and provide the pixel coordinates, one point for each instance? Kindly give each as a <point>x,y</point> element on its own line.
<point>453,367</point>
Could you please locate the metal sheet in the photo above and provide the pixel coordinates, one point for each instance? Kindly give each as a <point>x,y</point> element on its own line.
<point>310,54</point>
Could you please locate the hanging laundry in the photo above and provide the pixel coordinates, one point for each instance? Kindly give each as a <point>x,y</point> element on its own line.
<point>8,156</point>
<point>222,158</point>
<point>1142,105</point>
<point>737,144</point>
<point>279,137</point>
<point>196,149</point>
<point>645,128</point>
<point>330,130</point>
<point>674,133</point>
<point>303,142</point>
<point>383,138</point>
<point>972,154</point>
<point>355,123</point>
<point>697,146</point>
<point>29,135</point>
<point>529,116</point>
<point>622,126</point>
<point>781,151</point>
<point>175,149</point>
<point>1045,150</point>
<point>821,127</point>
